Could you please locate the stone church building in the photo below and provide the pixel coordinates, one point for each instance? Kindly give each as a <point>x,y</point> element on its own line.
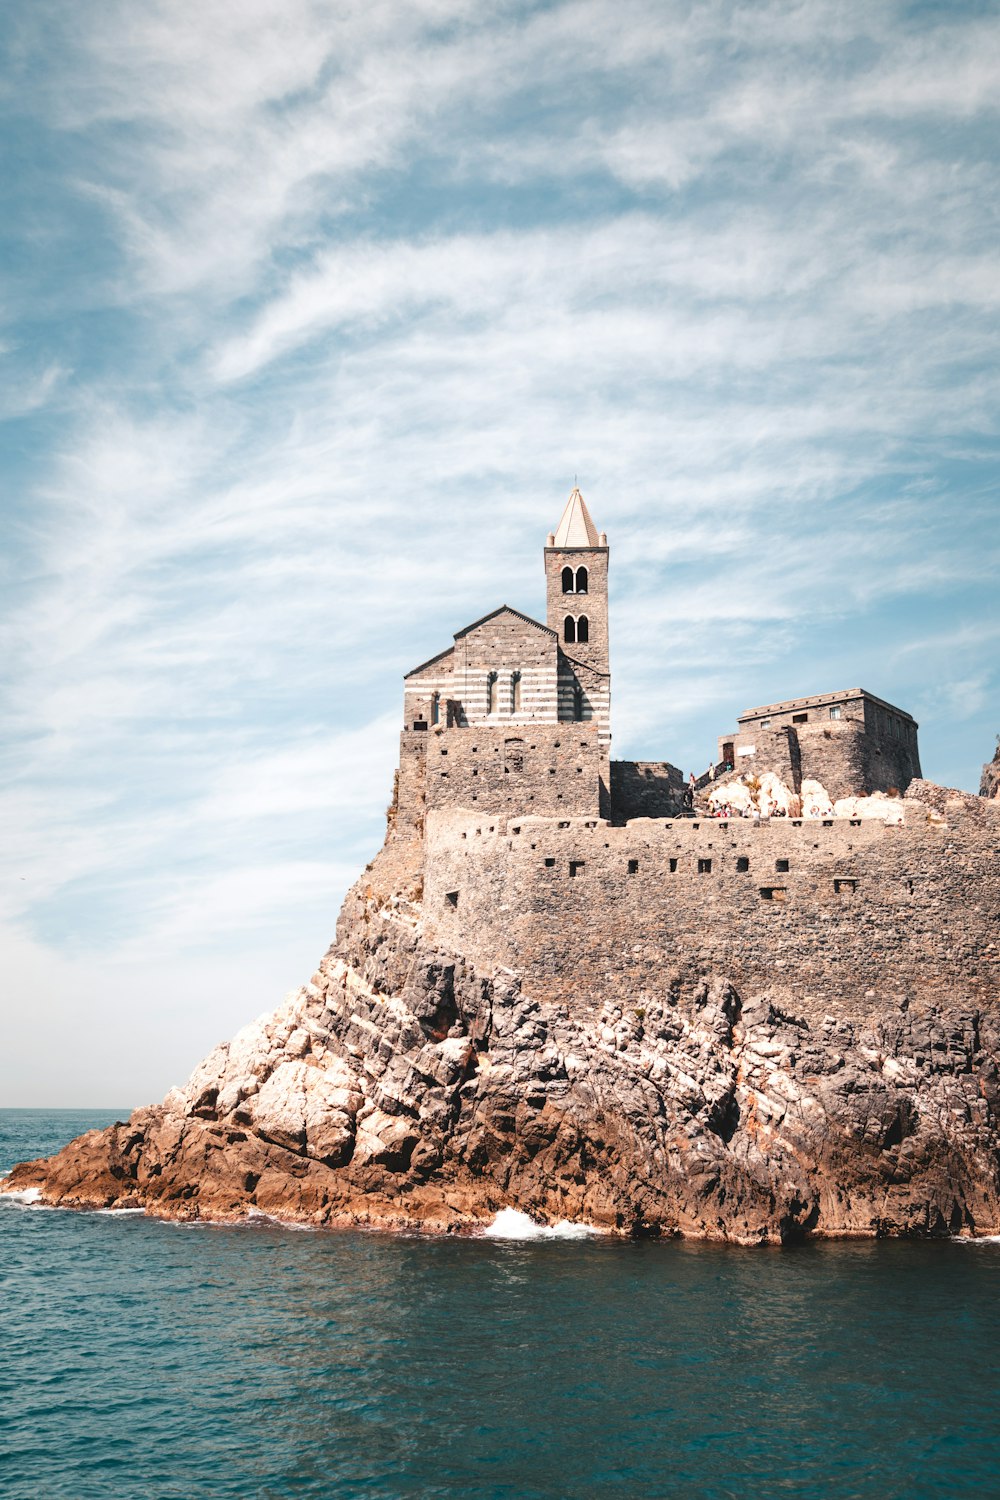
<point>509,669</point>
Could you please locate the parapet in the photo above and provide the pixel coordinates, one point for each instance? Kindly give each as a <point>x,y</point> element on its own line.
<point>817,913</point>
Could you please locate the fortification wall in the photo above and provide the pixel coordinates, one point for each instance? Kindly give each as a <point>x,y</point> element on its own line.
<point>989,785</point>
<point>538,768</point>
<point>409,793</point>
<point>821,917</point>
<point>645,789</point>
<point>837,756</point>
<point>845,755</point>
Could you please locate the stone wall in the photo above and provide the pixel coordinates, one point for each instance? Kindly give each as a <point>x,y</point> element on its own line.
<point>989,786</point>
<point>409,800</point>
<point>818,916</point>
<point>774,750</point>
<point>583,663</point>
<point>811,710</point>
<point>836,755</point>
<point>847,756</point>
<point>505,645</point>
<point>490,769</point>
<point>646,789</point>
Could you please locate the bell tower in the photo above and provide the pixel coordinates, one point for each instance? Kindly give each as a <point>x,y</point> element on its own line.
<point>576,608</point>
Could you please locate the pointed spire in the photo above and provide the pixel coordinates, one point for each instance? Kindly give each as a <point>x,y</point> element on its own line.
<point>576,529</point>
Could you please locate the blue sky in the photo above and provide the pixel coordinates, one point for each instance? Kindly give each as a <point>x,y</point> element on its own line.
<point>309,316</point>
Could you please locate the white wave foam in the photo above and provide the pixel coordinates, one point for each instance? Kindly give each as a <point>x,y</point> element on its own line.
<point>25,1198</point>
<point>511,1224</point>
<point>258,1216</point>
<point>119,1211</point>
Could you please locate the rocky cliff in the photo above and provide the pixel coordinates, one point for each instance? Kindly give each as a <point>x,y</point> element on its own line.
<point>401,1088</point>
<point>989,786</point>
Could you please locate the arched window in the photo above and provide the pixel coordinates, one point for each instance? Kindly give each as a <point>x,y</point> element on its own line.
<point>515,693</point>
<point>581,581</point>
<point>577,702</point>
<point>583,629</point>
<point>567,578</point>
<point>569,629</point>
<point>491,693</point>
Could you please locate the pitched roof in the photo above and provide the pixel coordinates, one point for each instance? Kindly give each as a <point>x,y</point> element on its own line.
<point>576,529</point>
<point>494,612</point>
<point>547,630</point>
<point>430,662</point>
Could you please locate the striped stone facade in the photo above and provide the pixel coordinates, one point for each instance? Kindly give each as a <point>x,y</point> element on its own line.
<point>502,669</point>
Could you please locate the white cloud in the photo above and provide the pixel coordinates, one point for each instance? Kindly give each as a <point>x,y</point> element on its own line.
<point>359,289</point>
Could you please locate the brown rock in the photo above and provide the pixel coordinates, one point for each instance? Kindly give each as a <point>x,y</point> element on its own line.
<point>402,1088</point>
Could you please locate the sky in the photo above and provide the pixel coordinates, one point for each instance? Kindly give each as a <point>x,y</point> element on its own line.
<point>311,314</point>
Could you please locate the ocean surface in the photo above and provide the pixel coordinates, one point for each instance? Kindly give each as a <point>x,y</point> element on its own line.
<point>140,1359</point>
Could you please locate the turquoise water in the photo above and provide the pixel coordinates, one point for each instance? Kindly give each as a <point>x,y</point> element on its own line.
<point>140,1359</point>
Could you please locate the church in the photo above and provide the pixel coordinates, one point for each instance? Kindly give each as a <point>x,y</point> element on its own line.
<point>509,669</point>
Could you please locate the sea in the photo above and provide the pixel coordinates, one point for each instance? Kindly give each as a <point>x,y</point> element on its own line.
<point>146,1359</point>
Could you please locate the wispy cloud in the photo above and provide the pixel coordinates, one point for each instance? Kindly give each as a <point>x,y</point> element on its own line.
<point>311,314</point>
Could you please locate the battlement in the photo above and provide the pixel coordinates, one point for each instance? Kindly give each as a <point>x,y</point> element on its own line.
<point>819,914</point>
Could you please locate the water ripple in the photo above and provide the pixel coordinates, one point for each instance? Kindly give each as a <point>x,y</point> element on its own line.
<point>255,1362</point>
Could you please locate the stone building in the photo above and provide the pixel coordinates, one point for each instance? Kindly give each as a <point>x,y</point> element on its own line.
<point>508,669</point>
<point>514,717</point>
<point>851,742</point>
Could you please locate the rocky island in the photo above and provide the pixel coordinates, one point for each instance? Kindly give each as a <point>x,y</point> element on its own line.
<point>757,1008</point>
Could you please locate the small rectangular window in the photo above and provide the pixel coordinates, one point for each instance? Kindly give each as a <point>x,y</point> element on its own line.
<point>765,723</point>
<point>673,867</point>
<point>704,867</point>
<point>549,863</point>
<point>845,887</point>
<point>835,711</point>
<point>633,867</point>
<point>773,892</point>
<point>742,864</point>
<point>781,865</point>
<point>800,718</point>
<point>575,866</point>
<point>451,898</point>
